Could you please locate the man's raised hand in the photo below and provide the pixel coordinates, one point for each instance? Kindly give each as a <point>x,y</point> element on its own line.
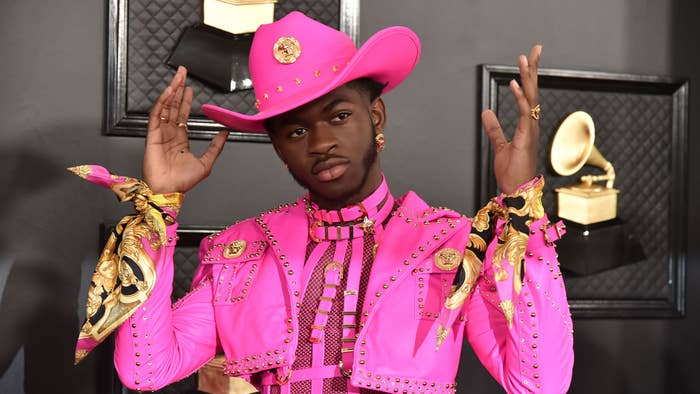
<point>168,163</point>
<point>515,161</point>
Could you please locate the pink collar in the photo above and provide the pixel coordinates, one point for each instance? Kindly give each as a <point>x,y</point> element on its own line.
<point>352,221</point>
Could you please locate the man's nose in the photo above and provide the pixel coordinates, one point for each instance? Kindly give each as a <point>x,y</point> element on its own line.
<point>323,139</point>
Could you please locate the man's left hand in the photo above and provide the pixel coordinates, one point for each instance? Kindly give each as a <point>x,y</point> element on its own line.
<point>514,161</point>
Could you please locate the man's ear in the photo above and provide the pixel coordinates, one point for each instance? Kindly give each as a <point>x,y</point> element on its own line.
<point>377,111</point>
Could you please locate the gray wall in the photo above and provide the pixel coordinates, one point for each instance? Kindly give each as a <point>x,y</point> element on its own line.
<point>52,87</point>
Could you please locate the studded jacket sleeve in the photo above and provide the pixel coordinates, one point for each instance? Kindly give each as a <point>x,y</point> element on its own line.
<point>160,344</point>
<point>518,319</point>
<point>156,343</point>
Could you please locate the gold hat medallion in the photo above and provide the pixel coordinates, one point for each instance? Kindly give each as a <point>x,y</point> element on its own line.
<point>286,50</point>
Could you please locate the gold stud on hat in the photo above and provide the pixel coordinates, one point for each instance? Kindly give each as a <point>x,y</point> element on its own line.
<point>286,50</point>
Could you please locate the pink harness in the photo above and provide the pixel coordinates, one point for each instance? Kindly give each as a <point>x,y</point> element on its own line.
<point>344,231</point>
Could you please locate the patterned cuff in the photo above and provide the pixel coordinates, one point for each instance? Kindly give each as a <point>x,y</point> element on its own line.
<point>125,273</point>
<point>169,203</point>
<point>132,189</point>
<point>526,201</point>
<point>508,217</point>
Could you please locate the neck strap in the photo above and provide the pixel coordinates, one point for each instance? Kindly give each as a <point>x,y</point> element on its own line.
<point>352,221</point>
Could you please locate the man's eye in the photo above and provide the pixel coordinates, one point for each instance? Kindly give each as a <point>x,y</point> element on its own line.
<point>298,132</point>
<point>342,116</point>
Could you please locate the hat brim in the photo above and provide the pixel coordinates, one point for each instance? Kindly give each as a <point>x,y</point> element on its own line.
<point>387,57</point>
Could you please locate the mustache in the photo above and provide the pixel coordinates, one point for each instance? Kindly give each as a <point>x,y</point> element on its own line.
<point>327,161</point>
<point>327,156</point>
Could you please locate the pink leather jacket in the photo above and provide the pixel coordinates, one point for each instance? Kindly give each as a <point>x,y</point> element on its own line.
<point>246,306</point>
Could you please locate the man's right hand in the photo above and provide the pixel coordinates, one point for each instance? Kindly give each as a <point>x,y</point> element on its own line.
<point>168,164</point>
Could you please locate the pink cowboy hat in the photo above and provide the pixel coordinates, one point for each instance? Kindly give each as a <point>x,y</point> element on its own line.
<point>296,60</point>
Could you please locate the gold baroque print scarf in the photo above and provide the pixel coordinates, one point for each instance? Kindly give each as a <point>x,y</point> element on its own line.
<point>516,212</point>
<point>125,274</point>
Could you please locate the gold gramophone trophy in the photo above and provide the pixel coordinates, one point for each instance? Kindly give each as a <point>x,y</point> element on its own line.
<point>572,148</point>
<point>216,51</point>
<point>238,16</point>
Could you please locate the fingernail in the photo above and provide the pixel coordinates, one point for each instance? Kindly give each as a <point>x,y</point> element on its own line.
<point>515,83</point>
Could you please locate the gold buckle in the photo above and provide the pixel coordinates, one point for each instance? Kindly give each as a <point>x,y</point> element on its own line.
<point>558,229</point>
<point>283,379</point>
<point>334,264</point>
<point>311,231</point>
<point>348,373</point>
<point>546,237</point>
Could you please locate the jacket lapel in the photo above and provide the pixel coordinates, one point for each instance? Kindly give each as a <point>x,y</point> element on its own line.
<point>415,232</point>
<point>287,228</point>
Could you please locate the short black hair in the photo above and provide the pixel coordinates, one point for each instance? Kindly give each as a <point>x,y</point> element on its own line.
<point>368,86</point>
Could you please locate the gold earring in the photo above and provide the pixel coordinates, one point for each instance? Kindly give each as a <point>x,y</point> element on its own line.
<point>380,141</point>
<point>286,166</point>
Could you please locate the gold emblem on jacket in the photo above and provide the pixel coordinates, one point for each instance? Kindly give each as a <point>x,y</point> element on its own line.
<point>286,50</point>
<point>448,259</point>
<point>235,249</point>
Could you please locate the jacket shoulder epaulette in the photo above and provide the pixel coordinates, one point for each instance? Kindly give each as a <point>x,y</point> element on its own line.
<point>239,242</point>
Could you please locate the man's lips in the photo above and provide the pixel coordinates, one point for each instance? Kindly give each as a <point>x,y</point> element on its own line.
<point>330,169</point>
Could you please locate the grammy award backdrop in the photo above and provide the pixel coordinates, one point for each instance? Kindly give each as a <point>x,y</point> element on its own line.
<point>614,159</point>
<point>142,37</point>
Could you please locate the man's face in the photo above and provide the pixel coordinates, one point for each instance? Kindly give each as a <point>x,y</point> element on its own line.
<point>329,146</point>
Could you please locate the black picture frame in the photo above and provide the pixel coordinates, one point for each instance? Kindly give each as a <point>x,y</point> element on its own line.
<point>561,92</point>
<point>120,120</point>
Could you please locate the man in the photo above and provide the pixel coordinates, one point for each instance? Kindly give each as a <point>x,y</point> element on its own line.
<point>347,289</point>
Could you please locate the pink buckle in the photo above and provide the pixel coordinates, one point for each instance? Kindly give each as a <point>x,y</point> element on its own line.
<point>559,229</point>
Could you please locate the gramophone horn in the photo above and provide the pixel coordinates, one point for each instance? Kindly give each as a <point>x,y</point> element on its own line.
<point>572,143</point>
<point>572,148</point>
